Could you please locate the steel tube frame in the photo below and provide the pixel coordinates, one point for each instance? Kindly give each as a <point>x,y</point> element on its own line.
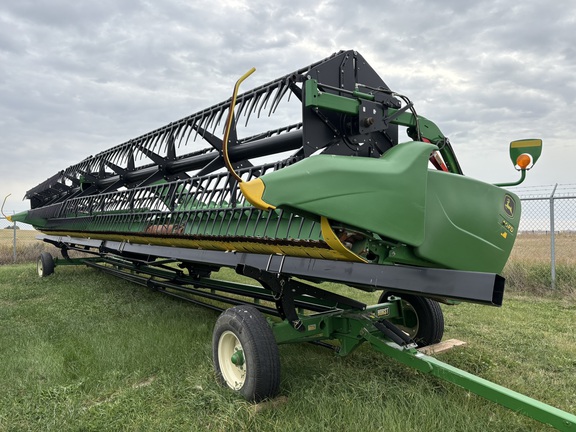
<point>474,287</point>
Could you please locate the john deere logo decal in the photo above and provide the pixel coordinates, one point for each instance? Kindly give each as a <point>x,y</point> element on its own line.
<point>509,205</point>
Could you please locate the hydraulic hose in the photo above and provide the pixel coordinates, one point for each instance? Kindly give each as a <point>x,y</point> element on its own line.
<point>229,121</point>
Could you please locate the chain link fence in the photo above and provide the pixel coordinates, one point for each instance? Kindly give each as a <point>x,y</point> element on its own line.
<point>8,233</point>
<point>18,243</point>
<point>544,255</point>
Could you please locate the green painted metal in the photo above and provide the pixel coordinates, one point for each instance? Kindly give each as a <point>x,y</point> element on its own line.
<point>470,225</point>
<point>428,129</point>
<point>346,105</point>
<point>24,217</point>
<point>337,186</point>
<point>533,147</point>
<point>352,330</point>
<point>238,358</point>
<point>516,183</point>
<point>466,225</point>
<point>218,219</point>
<point>344,326</point>
<point>315,98</point>
<point>75,261</point>
<point>450,220</point>
<point>515,401</point>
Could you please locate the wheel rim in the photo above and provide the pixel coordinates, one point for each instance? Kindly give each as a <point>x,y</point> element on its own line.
<point>231,360</point>
<point>39,268</point>
<point>409,323</point>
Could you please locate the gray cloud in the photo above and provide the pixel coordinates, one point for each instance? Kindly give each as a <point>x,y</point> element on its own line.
<point>79,77</point>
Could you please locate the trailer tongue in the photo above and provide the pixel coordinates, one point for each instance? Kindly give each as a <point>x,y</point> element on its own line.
<point>334,196</point>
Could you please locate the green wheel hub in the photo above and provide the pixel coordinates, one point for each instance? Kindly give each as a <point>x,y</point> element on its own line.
<point>238,358</point>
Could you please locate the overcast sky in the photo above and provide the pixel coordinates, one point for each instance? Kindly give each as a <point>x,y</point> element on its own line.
<point>78,77</point>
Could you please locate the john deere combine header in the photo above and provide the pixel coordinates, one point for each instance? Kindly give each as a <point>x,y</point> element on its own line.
<point>332,196</point>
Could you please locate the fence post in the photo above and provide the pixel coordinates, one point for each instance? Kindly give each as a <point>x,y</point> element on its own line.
<point>552,240</point>
<point>14,242</point>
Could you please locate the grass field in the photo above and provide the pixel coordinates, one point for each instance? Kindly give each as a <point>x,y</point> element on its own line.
<point>531,247</point>
<point>81,350</point>
<point>529,266</point>
<point>27,247</point>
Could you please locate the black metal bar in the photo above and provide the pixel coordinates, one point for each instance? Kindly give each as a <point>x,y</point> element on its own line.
<point>177,284</point>
<point>384,324</point>
<point>474,287</point>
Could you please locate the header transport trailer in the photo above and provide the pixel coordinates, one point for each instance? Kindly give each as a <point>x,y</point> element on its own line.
<point>333,196</point>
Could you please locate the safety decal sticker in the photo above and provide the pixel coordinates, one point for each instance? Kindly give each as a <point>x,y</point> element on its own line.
<point>509,205</point>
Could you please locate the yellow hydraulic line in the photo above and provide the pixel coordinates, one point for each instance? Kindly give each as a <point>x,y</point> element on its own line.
<point>250,193</point>
<point>229,125</point>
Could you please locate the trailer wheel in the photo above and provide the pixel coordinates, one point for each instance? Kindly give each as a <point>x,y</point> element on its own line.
<point>245,353</point>
<point>45,264</point>
<point>423,319</point>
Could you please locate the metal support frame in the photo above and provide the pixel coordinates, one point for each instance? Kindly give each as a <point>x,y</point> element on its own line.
<point>552,240</point>
<point>14,240</point>
<point>353,329</point>
<point>442,284</point>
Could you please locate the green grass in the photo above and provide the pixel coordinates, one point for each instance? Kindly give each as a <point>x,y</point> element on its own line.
<point>27,247</point>
<point>536,277</point>
<point>81,350</point>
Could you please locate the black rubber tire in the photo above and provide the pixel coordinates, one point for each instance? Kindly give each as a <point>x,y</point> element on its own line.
<point>258,377</point>
<point>45,264</point>
<point>429,326</point>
